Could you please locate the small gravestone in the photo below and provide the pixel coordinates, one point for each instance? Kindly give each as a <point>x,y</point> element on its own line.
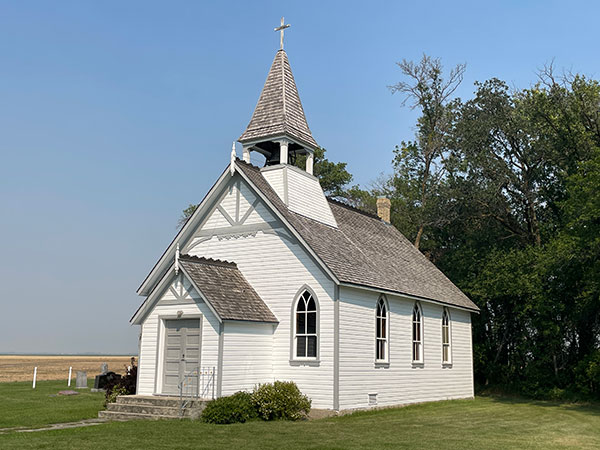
<point>104,369</point>
<point>81,381</point>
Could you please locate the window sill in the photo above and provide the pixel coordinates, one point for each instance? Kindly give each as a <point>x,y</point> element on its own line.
<point>382,365</point>
<point>447,365</point>
<point>305,362</point>
<point>418,365</point>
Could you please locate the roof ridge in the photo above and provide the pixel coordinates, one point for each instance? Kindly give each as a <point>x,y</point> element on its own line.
<point>353,208</point>
<point>240,160</point>
<point>284,90</point>
<point>208,261</point>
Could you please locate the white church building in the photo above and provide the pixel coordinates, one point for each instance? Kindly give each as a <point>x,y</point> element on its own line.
<point>271,280</point>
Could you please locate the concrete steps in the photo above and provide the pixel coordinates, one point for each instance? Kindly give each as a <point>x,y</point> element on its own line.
<point>135,407</point>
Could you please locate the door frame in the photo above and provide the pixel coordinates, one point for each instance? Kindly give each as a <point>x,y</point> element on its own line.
<point>161,342</point>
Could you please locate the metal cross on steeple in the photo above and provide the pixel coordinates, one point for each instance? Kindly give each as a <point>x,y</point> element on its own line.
<point>280,29</point>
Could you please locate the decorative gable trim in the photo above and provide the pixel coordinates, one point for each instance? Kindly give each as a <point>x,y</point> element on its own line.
<point>163,286</point>
<point>290,228</point>
<point>211,202</point>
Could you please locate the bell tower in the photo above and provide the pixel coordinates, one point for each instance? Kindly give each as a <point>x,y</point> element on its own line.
<point>279,131</point>
<point>278,128</point>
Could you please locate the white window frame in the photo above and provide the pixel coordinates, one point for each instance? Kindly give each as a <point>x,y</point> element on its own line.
<point>294,335</point>
<point>446,315</point>
<point>386,339</point>
<point>414,340</point>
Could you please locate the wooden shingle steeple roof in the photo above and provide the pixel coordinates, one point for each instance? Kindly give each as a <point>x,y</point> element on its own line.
<point>279,112</point>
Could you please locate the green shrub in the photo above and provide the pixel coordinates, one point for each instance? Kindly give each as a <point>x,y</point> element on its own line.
<point>114,393</point>
<point>557,394</point>
<point>587,375</point>
<point>236,408</point>
<point>280,400</point>
<point>121,385</point>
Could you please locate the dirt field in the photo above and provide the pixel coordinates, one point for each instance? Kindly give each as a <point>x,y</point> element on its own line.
<point>20,368</point>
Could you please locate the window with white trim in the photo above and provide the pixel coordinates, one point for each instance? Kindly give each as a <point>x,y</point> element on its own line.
<point>417,334</point>
<point>446,353</point>
<point>306,337</point>
<point>381,331</point>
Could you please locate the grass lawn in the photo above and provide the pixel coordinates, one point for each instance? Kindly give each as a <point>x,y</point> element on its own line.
<point>485,422</point>
<point>22,406</point>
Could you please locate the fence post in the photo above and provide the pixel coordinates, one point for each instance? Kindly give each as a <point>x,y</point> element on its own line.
<point>70,373</point>
<point>34,376</point>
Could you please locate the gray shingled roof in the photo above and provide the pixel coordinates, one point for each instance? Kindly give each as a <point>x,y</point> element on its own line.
<point>366,251</point>
<point>279,110</point>
<point>226,289</point>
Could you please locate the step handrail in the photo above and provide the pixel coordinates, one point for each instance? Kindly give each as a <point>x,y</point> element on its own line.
<point>204,377</point>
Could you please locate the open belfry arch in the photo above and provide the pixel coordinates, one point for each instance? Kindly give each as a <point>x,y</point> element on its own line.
<point>263,238</point>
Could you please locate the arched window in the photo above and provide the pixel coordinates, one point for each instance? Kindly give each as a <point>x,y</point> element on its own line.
<point>381,331</point>
<point>446,354</point>
<point>417,334</point>
<point>306,334</point>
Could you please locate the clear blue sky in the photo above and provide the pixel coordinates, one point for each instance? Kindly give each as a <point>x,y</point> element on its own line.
<point>115,115</point>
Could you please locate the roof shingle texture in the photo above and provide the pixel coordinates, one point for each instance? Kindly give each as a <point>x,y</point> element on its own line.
<point>279,110</point>
<point>366,251</point>
<point>226,289</point>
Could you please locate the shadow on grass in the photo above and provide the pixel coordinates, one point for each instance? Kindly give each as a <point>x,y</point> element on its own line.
<point>511,399</point>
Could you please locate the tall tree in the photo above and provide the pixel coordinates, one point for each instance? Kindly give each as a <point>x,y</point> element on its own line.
<point>419,165</point>
<point>505,157</point>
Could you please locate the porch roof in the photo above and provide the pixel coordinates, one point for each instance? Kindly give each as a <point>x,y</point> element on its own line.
<point>226,289</point>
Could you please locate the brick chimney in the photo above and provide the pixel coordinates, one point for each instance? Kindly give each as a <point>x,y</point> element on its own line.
<point>384,206</point>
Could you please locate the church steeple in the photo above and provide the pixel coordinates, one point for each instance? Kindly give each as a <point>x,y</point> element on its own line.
<point>278,128</point>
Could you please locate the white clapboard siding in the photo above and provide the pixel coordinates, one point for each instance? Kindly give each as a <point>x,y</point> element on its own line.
<point>301,192</point>
<point>247,356</point>
<point>259,213</point>
<point>229,201</point>
<point>216,220</point>
<point>274,177</point>
<point>306,197</point>
<point>150,355</point>
<point>247,197</point>
<point>401,382</point>
<point>277,269</point>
